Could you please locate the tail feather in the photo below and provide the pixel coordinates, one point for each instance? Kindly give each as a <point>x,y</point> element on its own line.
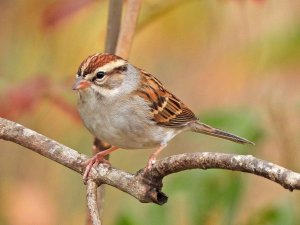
<point>206,129</point>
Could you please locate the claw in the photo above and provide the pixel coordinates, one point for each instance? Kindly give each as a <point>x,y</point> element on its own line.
<point>95,160</point>
<point>152,159</point>
<point>150,163</point>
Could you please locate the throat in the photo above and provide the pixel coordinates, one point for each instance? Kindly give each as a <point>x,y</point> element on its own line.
<point>91,93</point>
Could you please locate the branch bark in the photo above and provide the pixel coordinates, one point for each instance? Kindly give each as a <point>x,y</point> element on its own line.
<point>91,195</point>
<point>146,186</point>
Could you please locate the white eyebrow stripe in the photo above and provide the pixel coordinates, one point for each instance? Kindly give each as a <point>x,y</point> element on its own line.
<point>110,66</point>
<point>89,76</point>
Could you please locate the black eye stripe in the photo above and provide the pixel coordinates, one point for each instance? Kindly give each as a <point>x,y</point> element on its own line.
<point>79,71</point>
<point>101,74</point>
<point>121,68</point>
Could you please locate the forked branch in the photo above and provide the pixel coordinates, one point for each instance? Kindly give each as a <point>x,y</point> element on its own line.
<point>146,187</point>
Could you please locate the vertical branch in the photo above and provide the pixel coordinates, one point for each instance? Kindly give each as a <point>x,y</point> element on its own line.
<point>91,196</point>
<point>128,28</point>
<point>113,25</point>
<point>98,146</point>
<point>118,42</point>
<point>113,29</point>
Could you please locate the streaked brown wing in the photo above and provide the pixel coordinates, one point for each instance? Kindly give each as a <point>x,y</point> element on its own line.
<point>166,109</point>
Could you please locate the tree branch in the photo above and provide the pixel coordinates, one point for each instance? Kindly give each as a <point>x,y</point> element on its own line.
<point>146,186</point>
<point>243,163</point>
<point>14,132</point>
<point>113,25</point>
<point>91,195</point>
<point>128,28</point>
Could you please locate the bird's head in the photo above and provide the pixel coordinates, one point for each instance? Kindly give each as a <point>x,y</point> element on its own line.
<point>105,73</point>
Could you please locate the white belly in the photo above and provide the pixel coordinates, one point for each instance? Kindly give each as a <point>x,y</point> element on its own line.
<point>123,123</point>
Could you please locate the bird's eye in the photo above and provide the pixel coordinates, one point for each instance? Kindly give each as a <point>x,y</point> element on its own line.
<point>100,75</point>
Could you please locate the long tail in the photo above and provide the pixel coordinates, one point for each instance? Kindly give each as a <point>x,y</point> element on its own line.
<point>206,129</point>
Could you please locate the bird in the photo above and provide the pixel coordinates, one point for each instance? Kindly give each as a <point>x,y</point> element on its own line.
<point>131,109</point>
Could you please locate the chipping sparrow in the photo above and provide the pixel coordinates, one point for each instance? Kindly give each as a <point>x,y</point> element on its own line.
<point>129,108</point>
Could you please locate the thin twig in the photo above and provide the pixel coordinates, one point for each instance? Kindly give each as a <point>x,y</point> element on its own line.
<point>112,35</point>
<point>146,186</point>
<point>128,28</point>
<point>11,131</point>
<point>91,196</point>
<point>113,25</point>
<point>98,146</point>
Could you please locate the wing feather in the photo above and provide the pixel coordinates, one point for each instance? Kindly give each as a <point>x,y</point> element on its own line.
<point>166,109</point>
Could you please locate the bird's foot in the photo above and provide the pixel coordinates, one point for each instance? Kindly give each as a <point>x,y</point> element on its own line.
<point>152,159</point>
<point>94,161</point>
<point>150,164</point>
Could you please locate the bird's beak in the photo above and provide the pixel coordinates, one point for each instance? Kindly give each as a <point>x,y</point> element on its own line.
<point>81,84</point>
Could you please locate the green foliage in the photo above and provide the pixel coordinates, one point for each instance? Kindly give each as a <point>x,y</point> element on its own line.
<point>125,219</point>
<point>274,215</point>
<point>209,196</point>
<point>284,47</point>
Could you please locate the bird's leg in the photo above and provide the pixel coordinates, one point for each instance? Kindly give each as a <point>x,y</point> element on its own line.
<point>96,159</point>
<point>152,158</point>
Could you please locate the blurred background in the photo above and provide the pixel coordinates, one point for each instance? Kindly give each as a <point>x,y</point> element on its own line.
<point>236,63</point>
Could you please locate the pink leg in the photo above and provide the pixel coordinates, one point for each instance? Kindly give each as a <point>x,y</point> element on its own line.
<point>95,160</point>
<point>153,156</point>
